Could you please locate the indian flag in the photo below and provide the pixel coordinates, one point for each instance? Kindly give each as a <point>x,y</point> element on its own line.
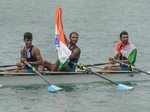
<point>130,52</point>
<point>60,39</point>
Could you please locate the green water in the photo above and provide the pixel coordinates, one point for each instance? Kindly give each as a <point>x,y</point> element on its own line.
<point>99,23</point>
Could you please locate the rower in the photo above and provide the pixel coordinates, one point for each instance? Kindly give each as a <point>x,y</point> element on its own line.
<point>125,51</point>
<point>75,51</point>
<point>31,54</point>
<point>71,63</point>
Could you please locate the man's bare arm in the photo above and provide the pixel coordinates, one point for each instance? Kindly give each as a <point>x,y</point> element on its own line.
<point>75,53</point>
<point>37,54</point>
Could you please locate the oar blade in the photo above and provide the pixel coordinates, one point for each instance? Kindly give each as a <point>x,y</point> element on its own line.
<point>123,87</point>
<point>53,88</point>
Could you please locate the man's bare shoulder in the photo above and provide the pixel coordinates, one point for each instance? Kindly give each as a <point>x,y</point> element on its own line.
<point>77,50</point>
<point>35,49</point>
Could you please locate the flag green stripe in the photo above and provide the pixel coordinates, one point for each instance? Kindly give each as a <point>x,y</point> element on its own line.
<point>132,57</point>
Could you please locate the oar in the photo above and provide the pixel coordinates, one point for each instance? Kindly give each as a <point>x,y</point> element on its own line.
<point>120,86</point>
<point>2,70</point>
<point>51,88</point>
<point>133,67</point>
<point>81,66</point>
<point>8,65</point>
<point>97,64</point>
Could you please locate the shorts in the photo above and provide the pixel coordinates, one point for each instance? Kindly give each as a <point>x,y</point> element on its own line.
<point>124,67</point>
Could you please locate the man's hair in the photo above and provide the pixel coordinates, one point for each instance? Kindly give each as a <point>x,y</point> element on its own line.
<point>123,33</point>
<point>28,36</point>
<point>73,33</point>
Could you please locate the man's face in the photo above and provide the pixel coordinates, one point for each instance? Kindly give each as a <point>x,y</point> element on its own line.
<point>74,38</point>
<point>124,39</point>
<point>28,43</point>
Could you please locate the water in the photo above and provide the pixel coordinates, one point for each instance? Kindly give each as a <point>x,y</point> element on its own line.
<point>99,24</point>
<point>78,98</point>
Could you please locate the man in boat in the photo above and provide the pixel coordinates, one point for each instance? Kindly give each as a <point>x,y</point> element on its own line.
<point>125,51</point>
<point>70,64</point>
<point>31,54</point>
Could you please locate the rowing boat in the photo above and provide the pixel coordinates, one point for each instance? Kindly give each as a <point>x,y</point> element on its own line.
<point>14,73</point>
<point>10,78</point>
<point>99,69</point>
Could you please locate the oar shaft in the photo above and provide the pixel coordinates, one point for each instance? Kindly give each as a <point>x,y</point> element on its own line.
<point>97,64</point>
<point>51,87</point>
<point>38,73</point>
<point>41,76</point>
<point>119,86</point>
<point>137,69</point>
<point>142,71</point>
<point>99,75</point>
<point>7,65</point>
